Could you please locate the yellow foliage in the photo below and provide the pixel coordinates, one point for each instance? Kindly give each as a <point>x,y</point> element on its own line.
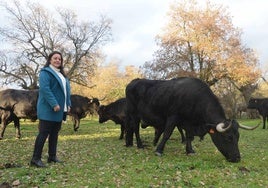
<point>206,38</point>
<point>109,82</point>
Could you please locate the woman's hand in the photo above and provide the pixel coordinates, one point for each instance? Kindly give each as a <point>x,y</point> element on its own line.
<point>57,108</point>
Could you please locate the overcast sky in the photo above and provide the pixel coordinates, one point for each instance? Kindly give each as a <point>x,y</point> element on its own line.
<point>137,22</point>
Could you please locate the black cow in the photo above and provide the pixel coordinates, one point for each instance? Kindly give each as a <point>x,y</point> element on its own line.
<point>187,102</point>
<point>81,106</point>
<point>17,104</point>
<point>260,104</point>
<point>116,111</point>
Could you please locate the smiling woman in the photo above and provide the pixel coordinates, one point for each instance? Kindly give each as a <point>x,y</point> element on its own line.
<point>54,102</point>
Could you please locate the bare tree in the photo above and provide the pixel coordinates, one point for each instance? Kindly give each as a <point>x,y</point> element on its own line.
<point>33,32</point>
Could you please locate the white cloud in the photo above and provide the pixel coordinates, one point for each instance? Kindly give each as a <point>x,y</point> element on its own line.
<point>252,18</point>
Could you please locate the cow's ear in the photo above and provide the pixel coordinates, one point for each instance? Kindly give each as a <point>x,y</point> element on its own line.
<point>211,131</point>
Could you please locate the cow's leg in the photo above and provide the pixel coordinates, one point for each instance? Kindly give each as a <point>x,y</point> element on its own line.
<point>2,129</point>
<point>183,139</point>
<point>158,132</point>
<point>76,122</point>
<point>189,139</point>
<point>129,131</point>
<point>73,120</point>
<point>137,134</point>
<point>122,132</point>
<point>4,122</point>
<point>17,127</point>
<point>170,125</point>
<point>129,137</point>
<point>132,126</point>
<point>264,121</point>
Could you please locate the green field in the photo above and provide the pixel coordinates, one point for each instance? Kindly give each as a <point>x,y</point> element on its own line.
<point>95,157</point>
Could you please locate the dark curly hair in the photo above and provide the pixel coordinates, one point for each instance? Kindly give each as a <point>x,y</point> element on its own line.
<point>49,58</point>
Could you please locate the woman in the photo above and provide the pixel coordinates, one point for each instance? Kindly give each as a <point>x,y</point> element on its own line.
<point>52,106</point>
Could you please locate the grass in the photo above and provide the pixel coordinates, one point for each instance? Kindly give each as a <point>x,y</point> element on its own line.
<point>95,157</point>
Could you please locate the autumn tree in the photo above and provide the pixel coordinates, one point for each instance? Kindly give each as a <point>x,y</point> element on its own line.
<point>31,32</point>
<point>201,41</point>
<point>110,82</point>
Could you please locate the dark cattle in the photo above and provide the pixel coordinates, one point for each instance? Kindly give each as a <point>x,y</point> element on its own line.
<point>187,102</point>
<point>260,104</point>
<point>81,106</point>
<point>249,113</point>
<point>116,111</point>
<point>17,104</point>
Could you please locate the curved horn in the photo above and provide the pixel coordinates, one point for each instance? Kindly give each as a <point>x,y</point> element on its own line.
<point>220,127</point>
<point>249,128</point>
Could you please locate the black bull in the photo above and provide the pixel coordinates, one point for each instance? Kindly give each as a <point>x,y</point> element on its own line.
<point>17,104</point>
<point>260,104</point>
<point>81,106</point>
<point>116,111</point>
<point>187,102</point>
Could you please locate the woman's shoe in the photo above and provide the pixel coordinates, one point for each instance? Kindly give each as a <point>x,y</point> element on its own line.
<point>54,159</point>
<point>38,163</point>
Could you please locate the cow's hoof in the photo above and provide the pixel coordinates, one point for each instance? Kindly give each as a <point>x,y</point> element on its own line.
<point>158,154</point>
<point>129,145</point>
<point>190,154</point>
<point>18,137</point>
<point>140,146</point>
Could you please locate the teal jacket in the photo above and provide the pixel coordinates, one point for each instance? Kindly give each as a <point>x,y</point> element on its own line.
<point>51,93</point>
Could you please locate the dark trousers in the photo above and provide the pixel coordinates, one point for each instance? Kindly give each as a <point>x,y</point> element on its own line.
<point>48,129</point>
